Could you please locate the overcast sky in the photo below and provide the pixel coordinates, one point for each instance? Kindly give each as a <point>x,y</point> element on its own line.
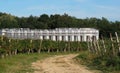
<point>109,9</point>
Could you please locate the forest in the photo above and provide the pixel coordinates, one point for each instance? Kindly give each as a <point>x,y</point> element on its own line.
<point>45,21</point>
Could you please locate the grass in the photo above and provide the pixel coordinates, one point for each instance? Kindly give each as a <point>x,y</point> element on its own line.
<point>102,63</point>
<point>21,63</point>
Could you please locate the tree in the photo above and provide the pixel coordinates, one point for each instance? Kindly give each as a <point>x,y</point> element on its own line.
<point>31,21</point>
<point>8,21</point>
<point>43,21</point>
<point>22,22</point>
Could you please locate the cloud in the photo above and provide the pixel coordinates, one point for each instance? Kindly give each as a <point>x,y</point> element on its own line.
<point>110,14</point>
<point>81,1</point>
<point>107,7</point>
<point>83,10</point>
<point>47,7</point>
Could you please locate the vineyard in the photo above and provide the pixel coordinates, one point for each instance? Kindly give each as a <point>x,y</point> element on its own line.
<point>10,47</point>
<point>103,54</point>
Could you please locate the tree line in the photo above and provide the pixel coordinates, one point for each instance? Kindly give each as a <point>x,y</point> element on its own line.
<point>45,21</point>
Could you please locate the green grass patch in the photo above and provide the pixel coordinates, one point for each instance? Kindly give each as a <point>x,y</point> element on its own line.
<point>21,63</point>
<point>106,64</point>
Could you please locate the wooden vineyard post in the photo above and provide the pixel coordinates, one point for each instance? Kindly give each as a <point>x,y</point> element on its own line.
<point>113,49</point>
<point>69,46</point>
<point>10,47</point>
<point>88,44</point>
<point>2,55</point>
<point>49,46</point>
<point>92,46</point>
<point>1,39</point>
<point>98,46</point>
<point>78,45</point>
<point>118,41</point>
<point>65,47</point>
<point>95,47</point>
<point>16,48</point>
<point>104,47</point>
<point>30,46</point>
<point>58,46</point>
<point>39,50</point>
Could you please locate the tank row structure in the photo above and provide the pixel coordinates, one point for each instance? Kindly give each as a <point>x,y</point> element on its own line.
<point>58,34</point>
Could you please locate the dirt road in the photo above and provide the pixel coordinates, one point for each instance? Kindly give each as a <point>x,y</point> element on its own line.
<point>59,64</point>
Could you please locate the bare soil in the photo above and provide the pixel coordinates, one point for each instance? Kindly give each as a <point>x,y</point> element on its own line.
<point>60,64</point>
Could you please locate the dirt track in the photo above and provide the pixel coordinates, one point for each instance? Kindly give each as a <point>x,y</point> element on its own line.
<point>59,64</point>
